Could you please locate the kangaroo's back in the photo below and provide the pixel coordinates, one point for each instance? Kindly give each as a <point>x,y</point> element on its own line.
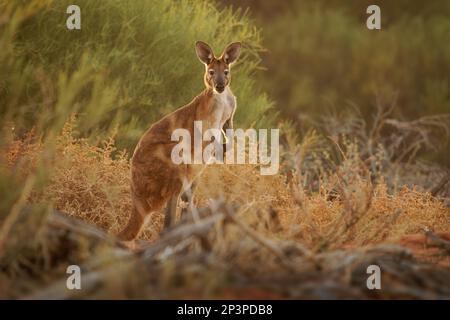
<point>183,118</point>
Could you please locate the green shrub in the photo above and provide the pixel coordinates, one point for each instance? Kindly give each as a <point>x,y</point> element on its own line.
<point>131,63</point>
<point>325,57</point>
<point>321,57</point>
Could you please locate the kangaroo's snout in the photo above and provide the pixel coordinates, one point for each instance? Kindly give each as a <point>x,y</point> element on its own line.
<point>220,87</point>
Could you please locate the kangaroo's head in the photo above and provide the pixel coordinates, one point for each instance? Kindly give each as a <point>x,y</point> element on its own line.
<point>217,74</point>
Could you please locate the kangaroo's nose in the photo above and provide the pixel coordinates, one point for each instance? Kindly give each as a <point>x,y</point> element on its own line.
<point>220,87</point>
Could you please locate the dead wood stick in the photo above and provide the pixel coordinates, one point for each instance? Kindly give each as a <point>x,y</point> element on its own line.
<point>436,241</point>
<point>60,220</point>
<point>198,229</point>
<point>442,183</point>
<point>267,243</point>
<point>90,283</point>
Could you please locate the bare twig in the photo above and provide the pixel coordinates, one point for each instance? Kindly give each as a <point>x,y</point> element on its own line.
<point>442,183</point>
<point>436,241</point>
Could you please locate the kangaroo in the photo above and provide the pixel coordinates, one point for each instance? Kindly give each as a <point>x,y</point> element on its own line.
<point>156,182</point>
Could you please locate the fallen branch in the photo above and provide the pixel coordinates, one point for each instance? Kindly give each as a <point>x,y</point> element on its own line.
<point>269,244</point>
<point>435,241</point>
<point>442,183</point>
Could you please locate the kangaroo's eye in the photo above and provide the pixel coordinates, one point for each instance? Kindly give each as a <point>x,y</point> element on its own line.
<point>211,72</point>
<point>226,72</point>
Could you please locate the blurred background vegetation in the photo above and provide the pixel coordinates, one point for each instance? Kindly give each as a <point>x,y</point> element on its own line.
<point>322,60</point>
<point>133,62</point>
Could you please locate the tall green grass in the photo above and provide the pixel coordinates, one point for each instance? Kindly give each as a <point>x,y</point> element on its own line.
<point>131,63</point>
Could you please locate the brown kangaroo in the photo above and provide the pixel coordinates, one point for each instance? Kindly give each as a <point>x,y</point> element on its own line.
<point>156,181</point>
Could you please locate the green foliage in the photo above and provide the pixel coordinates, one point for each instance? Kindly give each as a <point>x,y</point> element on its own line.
<point>131,63</point>
<point>325,57</point>
<point>321,57</point>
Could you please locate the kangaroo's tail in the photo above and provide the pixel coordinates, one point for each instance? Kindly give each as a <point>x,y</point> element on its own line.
<point>133,228</point>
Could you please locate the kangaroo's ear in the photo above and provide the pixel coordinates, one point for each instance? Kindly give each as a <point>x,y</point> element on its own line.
<point>232,52</point>
<point>204,52</point>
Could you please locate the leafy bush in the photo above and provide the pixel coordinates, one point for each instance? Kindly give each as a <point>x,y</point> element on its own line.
<point>130,63</point>
<point>321,58</point>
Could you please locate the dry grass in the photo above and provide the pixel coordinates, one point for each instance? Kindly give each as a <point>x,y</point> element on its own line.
<point>315,207</point>
<point>92,183</point>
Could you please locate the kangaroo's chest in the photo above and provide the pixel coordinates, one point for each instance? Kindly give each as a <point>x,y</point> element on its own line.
<point>224,105</point>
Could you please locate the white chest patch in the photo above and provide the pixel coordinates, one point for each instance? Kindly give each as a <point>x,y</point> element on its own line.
<point>224,105</point>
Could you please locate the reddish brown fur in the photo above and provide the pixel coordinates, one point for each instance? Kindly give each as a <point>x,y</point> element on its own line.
<point>155,179</point>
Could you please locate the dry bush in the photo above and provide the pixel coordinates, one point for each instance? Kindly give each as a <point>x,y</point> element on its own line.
<point>348,208</point>
<point>352,207</point>
<point>86,181</point>
<point>298,214</point>
<point>393,149</point>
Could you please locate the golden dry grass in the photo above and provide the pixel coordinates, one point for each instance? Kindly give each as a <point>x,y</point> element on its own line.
<point>92,183</point>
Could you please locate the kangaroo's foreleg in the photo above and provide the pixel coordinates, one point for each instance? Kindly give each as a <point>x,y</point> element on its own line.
<point>227,143</point>
<point>188,197</point>
<point>171,212</point>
